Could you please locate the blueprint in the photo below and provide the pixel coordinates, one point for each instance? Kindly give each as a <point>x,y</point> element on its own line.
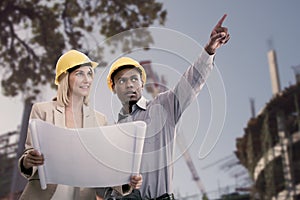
<point>88,157</point>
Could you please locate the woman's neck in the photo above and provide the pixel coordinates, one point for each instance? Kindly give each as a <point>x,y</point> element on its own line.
<point>74,113</point>
<point>75,104</point>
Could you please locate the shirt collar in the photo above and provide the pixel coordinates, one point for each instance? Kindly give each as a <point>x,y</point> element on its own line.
<point>142,104</point>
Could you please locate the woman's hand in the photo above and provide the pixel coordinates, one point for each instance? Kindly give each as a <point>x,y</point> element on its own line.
<point>33,158</point>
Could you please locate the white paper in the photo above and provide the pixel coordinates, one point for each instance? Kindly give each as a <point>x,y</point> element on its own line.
<point>89,157</point>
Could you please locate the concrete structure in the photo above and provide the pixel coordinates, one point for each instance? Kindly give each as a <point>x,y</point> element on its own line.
<point>269,148</point>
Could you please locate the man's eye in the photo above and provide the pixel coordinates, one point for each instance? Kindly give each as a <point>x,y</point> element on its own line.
<point>134,79</point>
<point>121,81</point>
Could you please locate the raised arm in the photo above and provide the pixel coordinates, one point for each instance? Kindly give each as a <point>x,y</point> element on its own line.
<point>196,75</point>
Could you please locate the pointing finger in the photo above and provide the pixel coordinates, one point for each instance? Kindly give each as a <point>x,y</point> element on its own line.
<point>220,22</point>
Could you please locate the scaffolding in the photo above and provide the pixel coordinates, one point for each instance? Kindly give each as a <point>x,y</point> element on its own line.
<point>268,146</point>
<point>8,153</point>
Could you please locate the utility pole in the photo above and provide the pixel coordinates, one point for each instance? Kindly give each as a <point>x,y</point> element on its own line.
<point>17,180</point>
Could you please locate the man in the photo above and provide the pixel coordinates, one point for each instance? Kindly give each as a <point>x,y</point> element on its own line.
<point>126,78</point>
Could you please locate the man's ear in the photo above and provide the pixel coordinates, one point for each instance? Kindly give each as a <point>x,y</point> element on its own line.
<point>142,85</point>
<point>113,89</point>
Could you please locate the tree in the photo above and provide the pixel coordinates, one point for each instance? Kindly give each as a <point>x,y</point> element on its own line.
<point>34,33</point>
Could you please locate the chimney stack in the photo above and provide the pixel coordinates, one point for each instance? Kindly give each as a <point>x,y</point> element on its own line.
<point>274,72</point>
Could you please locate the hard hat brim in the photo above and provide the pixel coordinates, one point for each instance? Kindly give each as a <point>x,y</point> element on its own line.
<point>94,65</point>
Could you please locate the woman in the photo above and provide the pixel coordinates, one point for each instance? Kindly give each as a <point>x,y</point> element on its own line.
<point>74,76</point>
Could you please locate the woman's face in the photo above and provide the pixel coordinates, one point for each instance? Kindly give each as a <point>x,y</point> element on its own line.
<point>80,81</point>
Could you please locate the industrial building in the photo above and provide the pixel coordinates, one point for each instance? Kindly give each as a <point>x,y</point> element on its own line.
<point>270,146</point>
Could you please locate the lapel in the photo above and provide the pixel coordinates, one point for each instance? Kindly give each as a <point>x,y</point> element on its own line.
<point>86,117</point>
<point>59,116</point>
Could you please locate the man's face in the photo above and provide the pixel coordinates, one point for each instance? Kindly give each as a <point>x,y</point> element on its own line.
<point>128,85</point>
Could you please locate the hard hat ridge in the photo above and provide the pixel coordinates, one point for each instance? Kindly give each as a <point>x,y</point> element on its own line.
<point>122,62</point>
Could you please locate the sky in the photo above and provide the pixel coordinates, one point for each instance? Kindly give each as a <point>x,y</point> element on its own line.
<point>241,72</point>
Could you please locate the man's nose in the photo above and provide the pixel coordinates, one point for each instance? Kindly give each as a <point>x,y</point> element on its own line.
<point>129,83</point>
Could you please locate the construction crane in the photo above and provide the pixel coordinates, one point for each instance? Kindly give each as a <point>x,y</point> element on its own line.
<point>155,86</point>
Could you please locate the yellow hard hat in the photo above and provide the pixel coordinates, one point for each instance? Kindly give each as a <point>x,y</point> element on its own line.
<point>71,59</point>
<point>122,62</point>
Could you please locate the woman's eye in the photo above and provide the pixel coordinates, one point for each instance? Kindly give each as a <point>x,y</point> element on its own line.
<point>134,79</point>
<point>79,74</point>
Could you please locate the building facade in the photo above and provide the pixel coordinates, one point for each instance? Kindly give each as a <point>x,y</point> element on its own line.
<point>270,147</point>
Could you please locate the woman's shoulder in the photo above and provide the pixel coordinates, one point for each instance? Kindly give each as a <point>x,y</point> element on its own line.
<point>101,118</point>
<point>42,109</point>
<point>45,104</point>
<point>99,114</point>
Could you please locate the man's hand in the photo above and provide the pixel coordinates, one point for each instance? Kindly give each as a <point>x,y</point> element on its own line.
<point>33,158</point>
<point>218,37</point>
<point>136,181</point>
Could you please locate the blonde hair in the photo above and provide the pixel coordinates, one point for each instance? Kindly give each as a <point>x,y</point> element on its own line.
<point>63,90</point>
